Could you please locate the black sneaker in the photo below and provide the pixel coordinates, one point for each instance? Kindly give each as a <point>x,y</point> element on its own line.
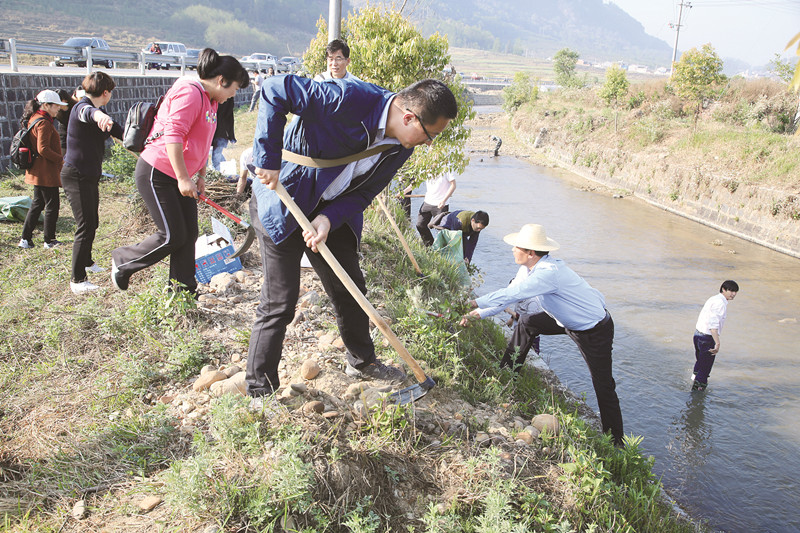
<point>698,386</point>
<point>376,370</point>
<point>119,281</point>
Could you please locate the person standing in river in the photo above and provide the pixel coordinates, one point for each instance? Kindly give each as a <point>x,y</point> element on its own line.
<point>569,306</point>
<point>707,332</point>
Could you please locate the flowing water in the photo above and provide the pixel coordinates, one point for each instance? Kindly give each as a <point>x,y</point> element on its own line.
<point>731,455</point>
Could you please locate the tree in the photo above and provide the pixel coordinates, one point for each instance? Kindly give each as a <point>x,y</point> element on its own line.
<point>521,91</point>
<point>697,76</point>
<point>386,49</point>
<point>564,62</point>
<point>783,69</point>
<point>615,87</point>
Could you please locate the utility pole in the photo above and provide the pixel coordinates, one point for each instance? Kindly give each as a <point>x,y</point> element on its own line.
<point>677,33</point>
<point>334,20</point>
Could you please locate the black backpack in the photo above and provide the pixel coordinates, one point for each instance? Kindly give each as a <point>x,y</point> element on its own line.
<point>138,124</point>
<point>22,153</point>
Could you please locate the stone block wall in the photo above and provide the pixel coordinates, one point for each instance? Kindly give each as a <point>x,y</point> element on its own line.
<point>16,89</point>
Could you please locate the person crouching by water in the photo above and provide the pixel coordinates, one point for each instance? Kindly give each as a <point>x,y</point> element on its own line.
<point>178,150</point>
<point>570,307</point>
<point>88,129</point>
<point>45,174</point>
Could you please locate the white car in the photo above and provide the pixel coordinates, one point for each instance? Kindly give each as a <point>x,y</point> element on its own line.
<point>166,48</point>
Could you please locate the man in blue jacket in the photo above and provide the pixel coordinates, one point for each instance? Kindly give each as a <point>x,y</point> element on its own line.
<point>333,119</point>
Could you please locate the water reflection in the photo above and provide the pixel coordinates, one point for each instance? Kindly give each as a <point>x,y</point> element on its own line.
<point>692,442</point>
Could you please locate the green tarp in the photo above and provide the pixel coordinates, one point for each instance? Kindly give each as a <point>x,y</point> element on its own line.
<point>16,208</point>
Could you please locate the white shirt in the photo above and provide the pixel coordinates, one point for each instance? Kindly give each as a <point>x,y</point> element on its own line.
<point>713,314</point>
<point>322,76</point>
<point>436,188</point>
<point>357,168</point>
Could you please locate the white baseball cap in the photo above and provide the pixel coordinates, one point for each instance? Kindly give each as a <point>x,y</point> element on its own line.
<point>49,97</point>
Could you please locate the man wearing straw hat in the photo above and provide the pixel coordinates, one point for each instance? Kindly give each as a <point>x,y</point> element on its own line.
<point>570,307</point>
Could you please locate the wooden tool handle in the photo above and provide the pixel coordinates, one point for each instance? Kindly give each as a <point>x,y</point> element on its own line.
<point>351,286</point>
<point>399,235</point>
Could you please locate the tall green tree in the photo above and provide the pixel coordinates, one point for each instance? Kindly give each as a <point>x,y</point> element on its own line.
<point>564,62</point>
<point>521,91</point>
<point>615,87</point>
<point>697,76</point>
<point>386,49</point>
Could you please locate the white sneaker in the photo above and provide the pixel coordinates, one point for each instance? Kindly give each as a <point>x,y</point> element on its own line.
<point>25,243</point>
<point>83,287</point>
<point>95,269</point>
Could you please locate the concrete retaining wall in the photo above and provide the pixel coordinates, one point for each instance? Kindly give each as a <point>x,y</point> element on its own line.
<point>16,89</point>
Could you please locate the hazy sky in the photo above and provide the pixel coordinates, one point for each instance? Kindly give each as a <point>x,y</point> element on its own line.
<point>750,30</point>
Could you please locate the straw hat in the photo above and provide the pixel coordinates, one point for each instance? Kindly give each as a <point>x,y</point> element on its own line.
<point>532,237</point>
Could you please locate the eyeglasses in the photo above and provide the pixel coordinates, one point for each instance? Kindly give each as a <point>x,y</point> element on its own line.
<point>337,59</point>
<point>421,124</point>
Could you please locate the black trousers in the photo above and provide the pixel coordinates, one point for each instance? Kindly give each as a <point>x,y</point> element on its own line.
<point>83,193</point>
<point>280,265</point>
<point>45,199</point>
<point>175,216</point>
<point>426,213</point>
<point>595,346</point>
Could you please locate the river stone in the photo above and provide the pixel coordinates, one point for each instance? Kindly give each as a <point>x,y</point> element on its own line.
<point>547,423</point>
<point>232,370</point>
<point>79,511</point>
<point>222,282</point>
<point>206,369</point>
<point>338,343</point>
<point>310,369</point>
<point>240,275</point>
<point>149,503</point>
<point>355,390</point>
<point>524,436</point>
<point>209,378</point>
<point>532,431</point>
<point>373,397</point>
<point>314,407</point>
<point>299,387</point>
<point>233,385</point>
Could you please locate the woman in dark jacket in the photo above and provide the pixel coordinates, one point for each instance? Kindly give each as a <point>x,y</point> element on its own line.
<point>44,175</point>
<point>89,127</point>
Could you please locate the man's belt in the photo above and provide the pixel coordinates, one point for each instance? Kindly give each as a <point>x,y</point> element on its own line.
<point>314,162</point>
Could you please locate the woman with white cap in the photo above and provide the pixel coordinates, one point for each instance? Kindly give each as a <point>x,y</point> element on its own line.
<point>569,306</point>
<point>45,174</point>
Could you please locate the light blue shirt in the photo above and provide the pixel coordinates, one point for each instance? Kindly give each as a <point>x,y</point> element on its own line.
<point>562,293</point>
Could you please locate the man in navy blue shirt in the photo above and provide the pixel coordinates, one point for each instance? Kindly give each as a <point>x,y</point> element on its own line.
<point>570,307</point>
<point>333,119</point>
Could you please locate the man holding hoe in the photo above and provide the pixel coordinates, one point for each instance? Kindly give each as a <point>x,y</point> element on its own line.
<point>376,131</point>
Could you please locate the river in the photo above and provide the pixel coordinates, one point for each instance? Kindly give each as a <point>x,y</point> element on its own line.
<point>729,456</point>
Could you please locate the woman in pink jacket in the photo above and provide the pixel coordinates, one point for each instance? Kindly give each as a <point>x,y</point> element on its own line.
<point>175,152</point>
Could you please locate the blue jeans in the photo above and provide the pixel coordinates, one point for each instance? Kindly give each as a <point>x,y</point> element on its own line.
<point>705,360</point>
<point>217,146</point>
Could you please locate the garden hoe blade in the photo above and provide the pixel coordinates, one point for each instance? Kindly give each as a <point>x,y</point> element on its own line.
<point>251,234</point>
<point>412,393</point>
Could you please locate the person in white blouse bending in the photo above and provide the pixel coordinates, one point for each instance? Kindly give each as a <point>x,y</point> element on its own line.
<point>565,305</point>
<point>707,332</point>
<point>337,55</point>
<point>437,195</point>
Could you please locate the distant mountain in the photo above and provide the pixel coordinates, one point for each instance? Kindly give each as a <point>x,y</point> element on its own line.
<point>537,28</point>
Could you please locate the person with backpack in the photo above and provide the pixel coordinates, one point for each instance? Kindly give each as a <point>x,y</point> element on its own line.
<point>44,175</point>
<point>88,129</point>
<point>182,132</point>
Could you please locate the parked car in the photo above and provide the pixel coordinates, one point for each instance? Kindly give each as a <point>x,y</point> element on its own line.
<point>290,62</point>
<point>166,48</point>
<point>82,42</point>
<point>191,56</point>
<point>262,61</point>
